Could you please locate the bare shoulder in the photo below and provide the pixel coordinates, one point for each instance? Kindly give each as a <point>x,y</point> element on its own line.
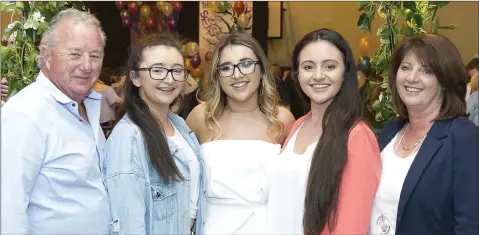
<point>287,119</point>
<point>285,116</point>
<point>196,117</point>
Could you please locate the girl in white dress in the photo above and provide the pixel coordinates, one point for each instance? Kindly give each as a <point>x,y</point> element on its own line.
<point>240,128</point>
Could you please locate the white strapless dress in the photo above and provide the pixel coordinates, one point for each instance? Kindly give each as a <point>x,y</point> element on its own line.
<point>237,185</point>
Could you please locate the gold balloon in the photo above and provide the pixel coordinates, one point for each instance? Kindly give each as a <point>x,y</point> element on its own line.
<point>193,48</point>
<point>243,21</point>
<point>188,65</point>
<point>198,72</point>
<point>159,5</point>
<point>365,46</point>
<point>145,11</point>
<point>167,9</point>
<point>184,50</point>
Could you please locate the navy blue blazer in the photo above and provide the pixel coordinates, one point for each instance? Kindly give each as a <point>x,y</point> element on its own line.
<point>440,194</point>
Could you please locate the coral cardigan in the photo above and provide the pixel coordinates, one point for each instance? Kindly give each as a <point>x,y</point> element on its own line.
<point>359,183</point>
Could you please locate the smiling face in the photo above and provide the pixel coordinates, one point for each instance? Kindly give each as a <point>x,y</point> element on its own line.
<point>321,70</point>
<point>239,85</point>
<point>74,64</point>
<point>159,92</point>
<point>416,84</point>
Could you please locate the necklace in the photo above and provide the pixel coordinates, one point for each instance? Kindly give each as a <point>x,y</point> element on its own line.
<point>412,147</point>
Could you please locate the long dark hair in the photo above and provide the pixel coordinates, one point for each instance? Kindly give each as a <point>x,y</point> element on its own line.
<point>139,112</point>
<point>331,153</point>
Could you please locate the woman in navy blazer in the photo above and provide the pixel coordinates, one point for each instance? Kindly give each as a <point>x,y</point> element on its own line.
<point>430,152</point>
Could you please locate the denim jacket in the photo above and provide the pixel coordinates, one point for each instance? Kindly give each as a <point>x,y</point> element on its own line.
<point>141,203</point>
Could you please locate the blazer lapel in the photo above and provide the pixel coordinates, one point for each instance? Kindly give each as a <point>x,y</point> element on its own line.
<point>427,151</point>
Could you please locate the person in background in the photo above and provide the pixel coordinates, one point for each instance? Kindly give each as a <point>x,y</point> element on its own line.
<point>472,70</point>
<point>473,107</point>
<point>51,158</point>
<point>118,78</point>
<point>154,169</point>
<point>278,76</point>
<point>328,172</point>
<point>430,155</point>
<point>110,101</point>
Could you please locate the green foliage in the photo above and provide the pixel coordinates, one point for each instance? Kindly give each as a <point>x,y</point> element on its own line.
<point>19,56</point>
<point>417,17</point>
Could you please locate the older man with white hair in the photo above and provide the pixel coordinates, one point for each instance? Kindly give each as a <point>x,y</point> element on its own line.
<point>52,145</point>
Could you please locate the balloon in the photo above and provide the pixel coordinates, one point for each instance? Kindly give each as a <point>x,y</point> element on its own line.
<point>364,64</point>
<point>361,79</point>
<point>223,6</point>
<point>418,19</point>
<point>208,56</point>
<point>167,9</point>
<point>173,23</point>
<point>184,50</point>
<point>177,6</point>
<point>197,72</point>
<point>159,5</point>
<point>192,48</point>
<point>126,22</point>
<point>188,65</point>
<point>239,7</point>
<point>145,11</point>
<point>195,61</point>
<point>150,23</point>
<point>243,21</point>
<point>365,46</point>
<point>212,6</point>
<point>120,5</point>
<point>124,14</point>
<point>133,8</point>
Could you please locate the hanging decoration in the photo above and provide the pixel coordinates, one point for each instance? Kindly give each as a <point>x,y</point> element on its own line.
<point>147,17</point>
<point>219,18</point>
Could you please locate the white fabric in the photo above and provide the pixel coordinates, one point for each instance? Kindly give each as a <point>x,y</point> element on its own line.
<point>237,185</point>
<point>394,171</point>
<point>288,180</point>
<point>194,166</point>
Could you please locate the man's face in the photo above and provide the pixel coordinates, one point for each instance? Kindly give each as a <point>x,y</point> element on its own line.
<point>74,64</point>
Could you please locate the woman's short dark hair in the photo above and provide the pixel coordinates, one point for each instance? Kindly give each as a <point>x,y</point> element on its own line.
<point>440,55</point>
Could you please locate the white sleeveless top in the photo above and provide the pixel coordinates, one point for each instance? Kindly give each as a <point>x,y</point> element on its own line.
<point>237,185</point>
<point>288,180</point>
<point>385,206</point>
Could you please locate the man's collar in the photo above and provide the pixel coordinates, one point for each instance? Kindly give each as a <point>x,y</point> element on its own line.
<point>59,95</point>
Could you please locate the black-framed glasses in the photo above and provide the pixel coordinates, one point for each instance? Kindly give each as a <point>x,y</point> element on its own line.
<point>160,73</point>
<point>245,68</point>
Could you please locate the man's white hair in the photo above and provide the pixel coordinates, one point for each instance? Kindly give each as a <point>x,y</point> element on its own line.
<point>50,36</point>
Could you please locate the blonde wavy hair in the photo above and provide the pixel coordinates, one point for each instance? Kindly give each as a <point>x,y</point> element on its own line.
<point>214,97</point>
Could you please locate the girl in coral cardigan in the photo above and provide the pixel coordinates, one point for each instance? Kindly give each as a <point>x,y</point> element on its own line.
<point>327,175</point>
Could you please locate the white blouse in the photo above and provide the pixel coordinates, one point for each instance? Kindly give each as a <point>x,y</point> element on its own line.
<point>194,166</point>
<point>288,181</point>
<point>385,206</point>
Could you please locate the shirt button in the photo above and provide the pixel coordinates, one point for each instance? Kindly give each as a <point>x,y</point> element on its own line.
<point>73,104</point>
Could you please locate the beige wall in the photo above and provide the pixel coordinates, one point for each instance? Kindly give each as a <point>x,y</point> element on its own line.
<point>303,17</point>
